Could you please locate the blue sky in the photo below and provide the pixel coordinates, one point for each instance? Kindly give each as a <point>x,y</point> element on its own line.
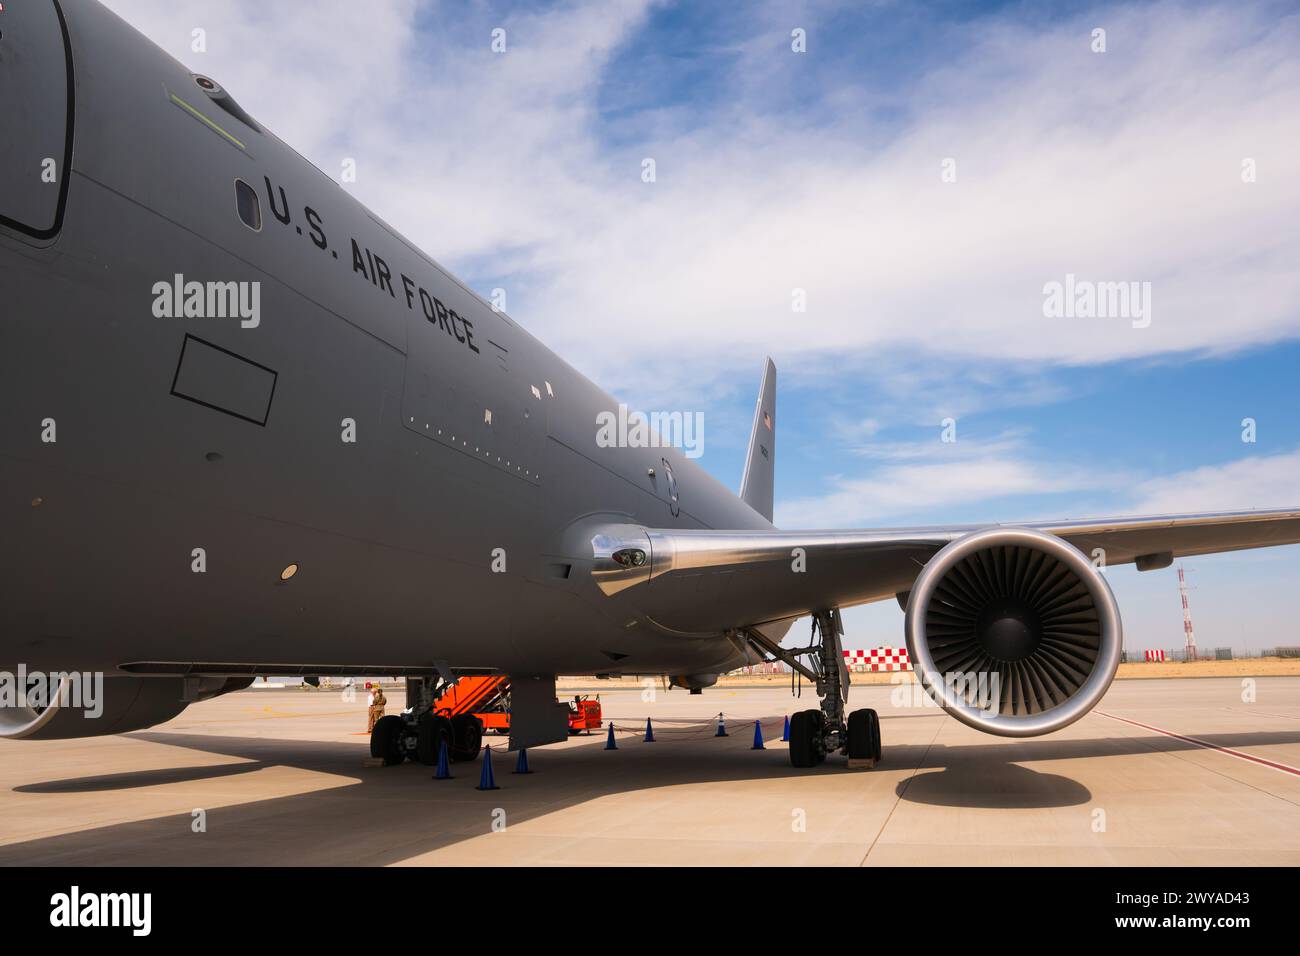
<point>1133,422</point>
<point>821,171</point>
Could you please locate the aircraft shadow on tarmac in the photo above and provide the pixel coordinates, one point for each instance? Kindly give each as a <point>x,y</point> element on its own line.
<point>1001,786</point>
<point>133,779</point>
<point>388,815</point>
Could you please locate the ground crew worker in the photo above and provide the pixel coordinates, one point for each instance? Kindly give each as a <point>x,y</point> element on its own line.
<point>377,702</point>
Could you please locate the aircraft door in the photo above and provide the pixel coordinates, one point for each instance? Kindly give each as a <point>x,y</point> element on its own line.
<point>670,488</point>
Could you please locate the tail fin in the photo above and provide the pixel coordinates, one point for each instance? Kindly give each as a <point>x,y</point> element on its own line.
<point>756,485</point>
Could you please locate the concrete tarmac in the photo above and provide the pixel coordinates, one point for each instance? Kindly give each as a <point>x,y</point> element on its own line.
<point>1168,772</point>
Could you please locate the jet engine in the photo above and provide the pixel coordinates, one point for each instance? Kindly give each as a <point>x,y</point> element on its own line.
<point>1013,631</point>
<point>78,705</point>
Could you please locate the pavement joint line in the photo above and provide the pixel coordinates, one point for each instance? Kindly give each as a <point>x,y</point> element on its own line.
<point>899,798</point>
<point>1260,713</point>
<point>1273,764</point>
<point>1182,758</point>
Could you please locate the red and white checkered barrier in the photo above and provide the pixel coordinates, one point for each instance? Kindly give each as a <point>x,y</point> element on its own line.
<point>878,659</point>
<point>1157,656</point>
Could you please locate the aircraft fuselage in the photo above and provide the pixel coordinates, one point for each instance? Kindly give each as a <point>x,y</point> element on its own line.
<point>430,467</point>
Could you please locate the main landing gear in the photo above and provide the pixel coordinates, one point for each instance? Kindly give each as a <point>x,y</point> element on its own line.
<point>419,732</point>
<point>816,733</point>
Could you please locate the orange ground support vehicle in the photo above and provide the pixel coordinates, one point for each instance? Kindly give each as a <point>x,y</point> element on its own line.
<point>584,714</point>
<point>488,699</point>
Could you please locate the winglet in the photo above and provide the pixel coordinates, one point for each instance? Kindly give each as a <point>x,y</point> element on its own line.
<point>757,483</point>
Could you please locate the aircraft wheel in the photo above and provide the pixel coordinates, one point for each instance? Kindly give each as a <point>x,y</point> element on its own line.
<point>864,735</point>
<point>467,732</point>
<point>431,731</point>
<point>805,739</point>
<point>386,739</point>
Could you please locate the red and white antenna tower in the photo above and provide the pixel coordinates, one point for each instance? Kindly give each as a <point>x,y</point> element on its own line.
<point>1189,651</point>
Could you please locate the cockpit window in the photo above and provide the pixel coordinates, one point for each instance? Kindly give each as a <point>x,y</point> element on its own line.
<point>250,208</point>
<point>36,147</point>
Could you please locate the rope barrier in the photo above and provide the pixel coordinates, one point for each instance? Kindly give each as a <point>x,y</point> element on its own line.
<point>699,729</point>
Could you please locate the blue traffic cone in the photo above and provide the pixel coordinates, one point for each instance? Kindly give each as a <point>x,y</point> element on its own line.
<point>722,726</point>
<point>521,765</point>
<point>785,734</point>
<point>609,741</point>
<point>444,771</point>
<point>487,781</point>
<point>758,736</point>
<point>649,732</point>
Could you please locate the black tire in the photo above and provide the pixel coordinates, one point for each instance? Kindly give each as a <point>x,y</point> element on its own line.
<point>805,738</point>
<point>431,731</point>
<point>467,734</point>
<point>820,751</point>
<point>864,735</point>
<point>386,740</point>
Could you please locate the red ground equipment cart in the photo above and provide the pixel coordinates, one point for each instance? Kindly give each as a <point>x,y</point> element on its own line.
<point>488,699</point>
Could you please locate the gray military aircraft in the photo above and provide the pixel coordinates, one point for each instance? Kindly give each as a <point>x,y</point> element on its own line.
<point>249,429</point>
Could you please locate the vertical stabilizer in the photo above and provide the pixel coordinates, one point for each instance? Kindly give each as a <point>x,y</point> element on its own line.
<point>756,484</point>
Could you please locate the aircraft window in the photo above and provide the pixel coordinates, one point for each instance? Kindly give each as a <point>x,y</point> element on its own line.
<point>250,208</point>
<point>487,416</point>
<point>550,391</point>
<point>36,147</point>
<point>537,392</point>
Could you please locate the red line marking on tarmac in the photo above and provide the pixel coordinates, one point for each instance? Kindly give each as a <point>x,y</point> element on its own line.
<point>1285,768</point>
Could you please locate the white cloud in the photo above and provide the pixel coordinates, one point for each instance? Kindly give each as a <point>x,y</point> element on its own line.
<point>1258,481</point>
<point>932,477</point>
<point>1121,166</point>
<point>935,449</point>
<point>910,488</point>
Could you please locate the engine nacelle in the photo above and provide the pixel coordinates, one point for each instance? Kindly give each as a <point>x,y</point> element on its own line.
<point>693,682</point>
<point>116,706</point>
<point>1013,631</point>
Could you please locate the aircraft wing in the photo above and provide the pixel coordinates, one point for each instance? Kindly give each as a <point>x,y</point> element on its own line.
<point>706,581</point>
